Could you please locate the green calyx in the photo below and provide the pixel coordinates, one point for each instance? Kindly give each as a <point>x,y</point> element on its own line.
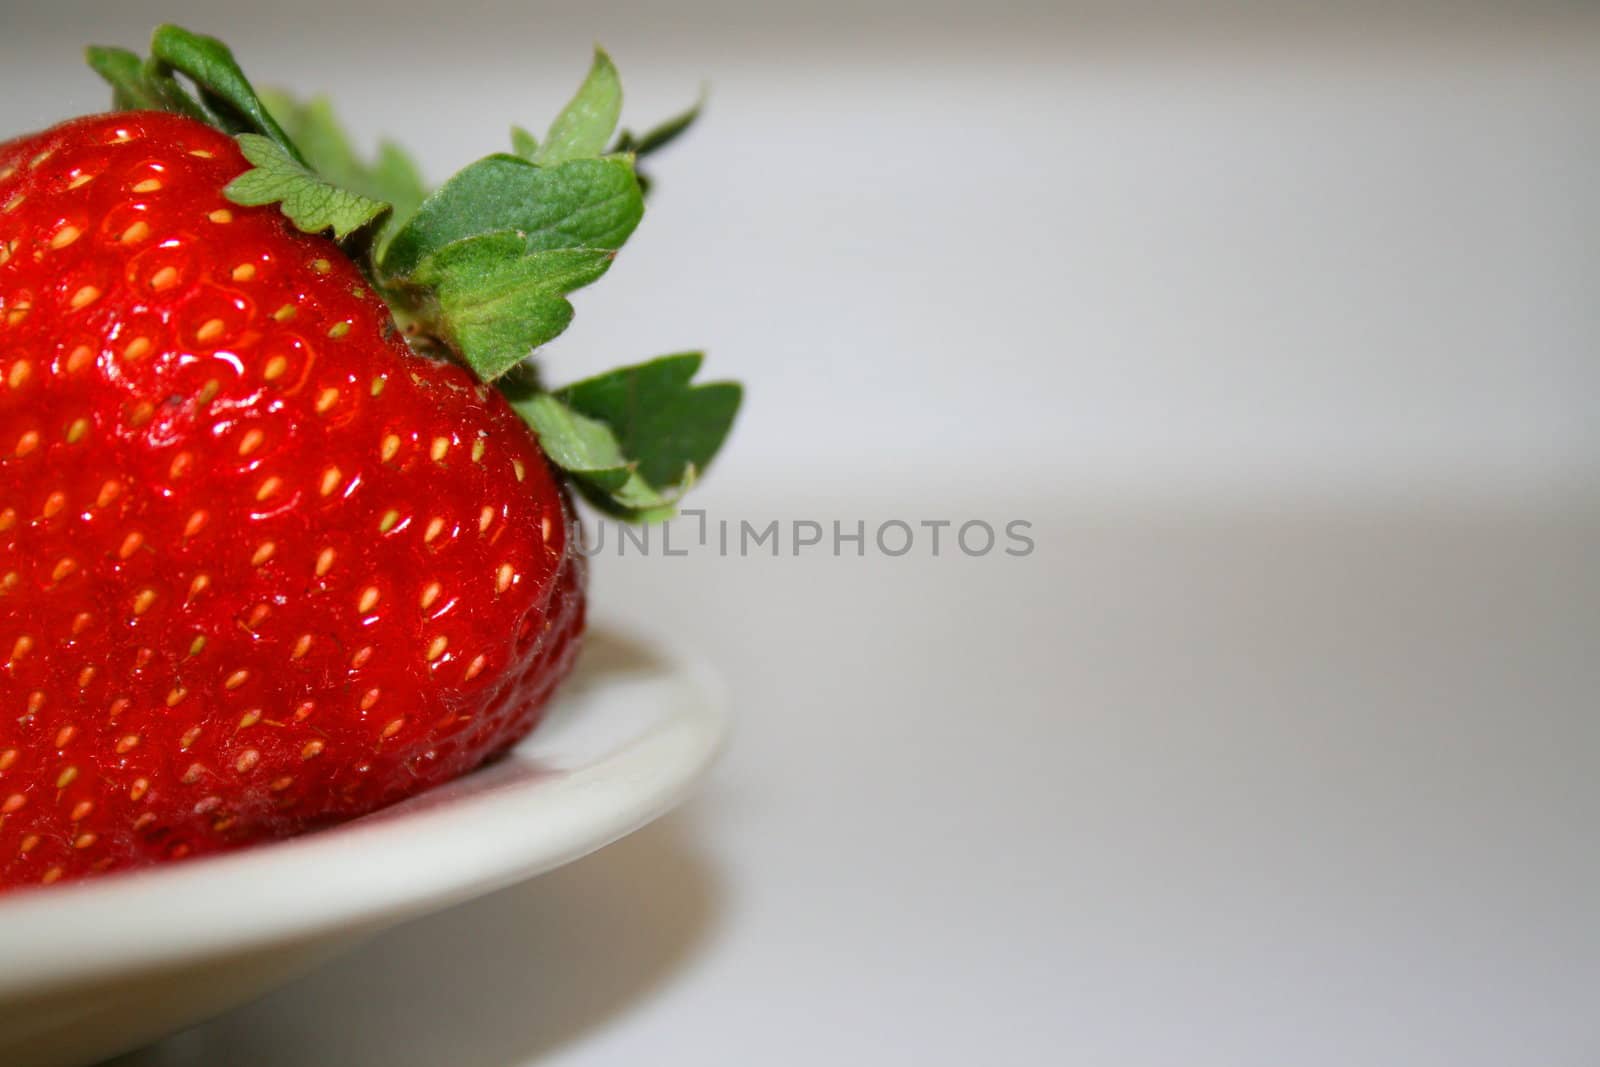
<point>481,267</point>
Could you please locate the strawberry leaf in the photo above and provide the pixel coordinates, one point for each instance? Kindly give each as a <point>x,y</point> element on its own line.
<point>524,145</point>
<point>225,92</point>
<point>495,303</point>
<point>393,178</point>
<point>313,127</point>
<point>312,204</point>
<point>579,445</point>
<point>587,122</point>
<point>396,179</point>
<point>587,203</point>
<point>670,428</point>
<point>635,439</point>
<point>332,192</point>
<point>588,452</point>
<point>322,140</point>
<point>124,72</point>
<point>658,137</point>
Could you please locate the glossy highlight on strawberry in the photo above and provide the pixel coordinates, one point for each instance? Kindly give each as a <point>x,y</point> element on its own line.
<point>262,567</point>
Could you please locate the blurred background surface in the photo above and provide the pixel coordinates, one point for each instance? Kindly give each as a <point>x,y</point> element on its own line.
<point>1277,325</point>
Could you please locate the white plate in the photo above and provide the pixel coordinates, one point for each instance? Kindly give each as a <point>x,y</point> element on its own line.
<point>90,970</point>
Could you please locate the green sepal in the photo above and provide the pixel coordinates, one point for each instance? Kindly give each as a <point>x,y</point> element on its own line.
<point>587,203</point>
<point>587,452</point>
<point>616,505</point>
<point>660,135</point>
<point>392,178</point>
<point>671,428</point>
<point>312,204</point>
<point>493,303</point>
<point>143,85</point>
<point>395,177</point>
<point>124,72</point>
<point>524,145</point>
<point>579,445</point>
<point>225,92</point>
<point>636,439</point>
<point>584,126</point>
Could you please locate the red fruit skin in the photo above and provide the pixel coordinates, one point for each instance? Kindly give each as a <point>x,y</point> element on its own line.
<point>262,567</point>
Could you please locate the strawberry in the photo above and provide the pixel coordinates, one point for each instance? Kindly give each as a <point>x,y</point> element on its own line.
<point>286,519</point>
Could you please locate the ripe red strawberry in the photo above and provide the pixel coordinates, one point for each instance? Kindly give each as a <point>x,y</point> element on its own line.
<point>262,565</point>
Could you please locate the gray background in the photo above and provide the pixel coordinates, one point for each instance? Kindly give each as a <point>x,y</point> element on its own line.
<point>1278,326</point>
